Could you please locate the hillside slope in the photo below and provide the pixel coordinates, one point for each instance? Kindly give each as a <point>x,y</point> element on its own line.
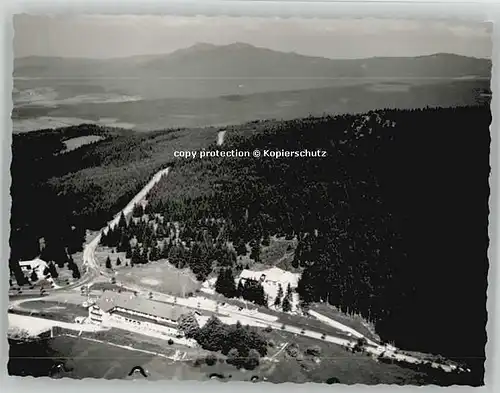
<point>244,60</point>
<point>392,224</point>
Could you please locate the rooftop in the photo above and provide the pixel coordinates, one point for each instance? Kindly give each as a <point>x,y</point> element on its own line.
<point>33,262</point>
<point>128,301</point>
<point>272,274</point>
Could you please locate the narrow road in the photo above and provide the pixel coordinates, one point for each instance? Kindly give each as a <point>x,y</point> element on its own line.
<point>220,137</point>
<point>91,266</point>
<point>36,325</point>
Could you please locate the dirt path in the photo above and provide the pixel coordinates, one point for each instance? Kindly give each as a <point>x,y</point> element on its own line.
<point>283,347</point>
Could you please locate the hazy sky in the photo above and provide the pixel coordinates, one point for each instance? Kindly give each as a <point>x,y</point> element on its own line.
<point>101,36</point>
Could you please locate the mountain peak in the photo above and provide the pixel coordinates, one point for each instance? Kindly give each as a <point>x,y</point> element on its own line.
<point>198,47</point>
<point>240,45</point>
<point>202,46</point>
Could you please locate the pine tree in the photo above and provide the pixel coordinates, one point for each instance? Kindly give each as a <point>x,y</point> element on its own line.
<point>241,248</point>
<point>128,252</point>
<point>124,242</point>
<point>122,223</point>
<point>165,249</point>
<point>266,240</point>
<point>277,301</point>
<point>108,263</point>
<point>18,273</point>
<point>254,292</point>
<point>306,288</point>
<point>261,297</point>
<point>118,261</point>
<point>136,256</point>
<point>144,256</point>
<point>105,237</point>
<point>76,272</point>
<point>111,237</point>
<point>213,335</point>
<point>287,301</point>
<point>176,256</point>
<point>154,255</point>
<point>138,210</point>
<point>240,289</point>
<point>286,305</point>
<point>53,270</point>
<point>34,276</point>
<point>225,283</point>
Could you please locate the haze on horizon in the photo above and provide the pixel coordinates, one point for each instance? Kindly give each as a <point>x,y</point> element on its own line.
<point>111,36</point>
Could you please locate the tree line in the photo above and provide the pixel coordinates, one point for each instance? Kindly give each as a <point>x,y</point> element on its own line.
<point>243,345</point>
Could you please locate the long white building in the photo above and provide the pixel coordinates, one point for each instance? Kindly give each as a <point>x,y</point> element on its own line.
<point>127,311</point>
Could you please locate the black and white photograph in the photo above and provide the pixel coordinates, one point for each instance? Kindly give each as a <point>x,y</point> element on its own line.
<point>249,198</point>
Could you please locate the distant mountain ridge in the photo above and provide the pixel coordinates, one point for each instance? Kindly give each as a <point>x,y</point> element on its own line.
<point>241,60</point>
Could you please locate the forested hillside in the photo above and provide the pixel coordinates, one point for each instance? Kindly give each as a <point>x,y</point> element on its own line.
<point>57,195</point>
<point>392,224</point>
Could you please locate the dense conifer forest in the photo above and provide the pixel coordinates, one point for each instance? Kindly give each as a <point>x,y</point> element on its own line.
<point>392,224</point>
<point>57,195</point>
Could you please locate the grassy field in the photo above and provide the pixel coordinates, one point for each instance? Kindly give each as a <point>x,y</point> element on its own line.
<point>101,253</point>
<point>302,360</point>
<point>75,143</point>
<point>60,311</point>
<point>107,286</point>
<point>289,359</point>
<point>279,253</point>
<point>135,340</point>
<point>308,360</point>
<point>160,276</point>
